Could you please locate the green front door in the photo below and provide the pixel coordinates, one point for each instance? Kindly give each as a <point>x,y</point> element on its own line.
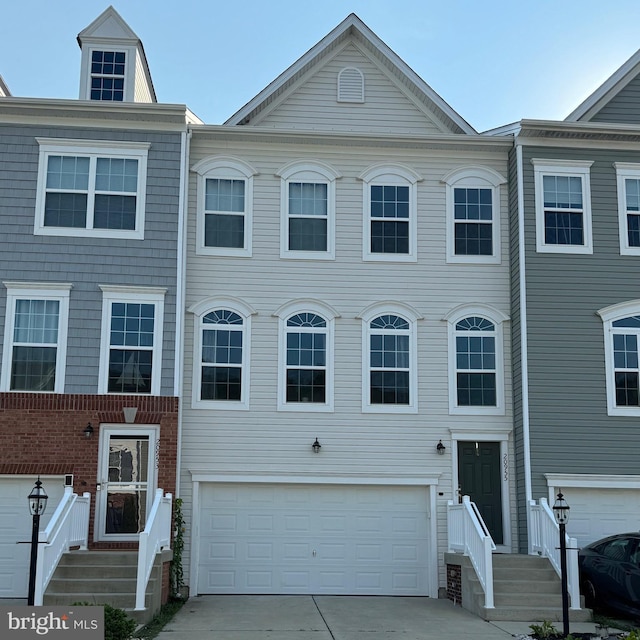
<point>479,478</point>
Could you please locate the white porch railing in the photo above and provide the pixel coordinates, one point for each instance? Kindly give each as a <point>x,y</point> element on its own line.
<point>544,539</point>
<point>155,537</point>
<point>468,534</point>
<point>68,527</point>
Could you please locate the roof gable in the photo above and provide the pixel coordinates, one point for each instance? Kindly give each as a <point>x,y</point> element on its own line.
<point>109,24</point>
<point>607,102</point>
<point>353,31</point>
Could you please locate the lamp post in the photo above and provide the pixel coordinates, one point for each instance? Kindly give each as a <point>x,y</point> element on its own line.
<point>37,504</point>
<point>561,513</point>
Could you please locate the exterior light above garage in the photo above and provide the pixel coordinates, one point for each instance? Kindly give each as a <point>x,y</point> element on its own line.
<point>316,446</point>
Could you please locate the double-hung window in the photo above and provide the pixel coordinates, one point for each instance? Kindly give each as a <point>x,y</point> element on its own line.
<point>390,212</point>
<point>107,75</point>
<point>563,206</point>
<point>473,215</point>
<point>225,205</point>
<point>475,361</point>
<point>132,333</point>
<point>389,371</point>
<point>308,211</point>
<point>306,356</point>
<point>35,339</point>
<point>91,189</point>
<point>628,176</point>
<point>221,354</point>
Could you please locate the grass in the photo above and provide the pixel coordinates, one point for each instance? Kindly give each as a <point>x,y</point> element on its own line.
<point>164,616</point>
<point>614,623</point>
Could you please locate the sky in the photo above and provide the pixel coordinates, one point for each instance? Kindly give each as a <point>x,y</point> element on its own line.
<point>492,61</point>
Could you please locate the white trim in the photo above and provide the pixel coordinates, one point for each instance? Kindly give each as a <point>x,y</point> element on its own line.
<point>474,177</point>
<point>383,174</point>
<point>59,292</point>
<point>129,71</point>
<point>625,171</point>
<point>315,172</point>
<point>203,475</point>
<point>91,149</point>
<point>130,294</point>
<point>570,168</point>
<point>590,481</point>
<point>225,168</point>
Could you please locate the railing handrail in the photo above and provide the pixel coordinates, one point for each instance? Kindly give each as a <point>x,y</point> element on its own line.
<point>545,537</point>
<point>155,537</point>
<point>469,534</point>
<point>68,527</point>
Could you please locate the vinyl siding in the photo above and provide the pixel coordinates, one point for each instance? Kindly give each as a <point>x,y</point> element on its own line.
<point>313,105</point>
<point>142,91</point>
<point>570,429</point>
<point>623,107</point>
<point>87,262</point>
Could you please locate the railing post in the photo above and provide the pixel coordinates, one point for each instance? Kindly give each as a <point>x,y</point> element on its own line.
<point>488,559</point>
<point>572,569</point>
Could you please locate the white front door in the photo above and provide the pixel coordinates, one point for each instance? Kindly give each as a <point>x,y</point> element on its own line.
<point>126,481</point>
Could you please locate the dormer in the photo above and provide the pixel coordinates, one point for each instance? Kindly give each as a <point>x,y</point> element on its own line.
<point>114,66</point>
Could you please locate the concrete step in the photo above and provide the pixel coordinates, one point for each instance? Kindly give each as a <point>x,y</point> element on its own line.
<point>95,585</point>
<point>551,585</point>
<point>106,571</point>
<point>528,614</point>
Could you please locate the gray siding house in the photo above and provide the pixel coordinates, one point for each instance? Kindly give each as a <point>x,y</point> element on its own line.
<point>575,214</point>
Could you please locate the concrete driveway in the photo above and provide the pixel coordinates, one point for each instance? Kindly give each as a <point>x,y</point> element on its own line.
<point>333,618</point>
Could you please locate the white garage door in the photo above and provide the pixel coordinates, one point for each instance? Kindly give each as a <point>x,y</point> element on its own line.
<point>15,526</point>
<point>597,513</point>
<point>331,539</point>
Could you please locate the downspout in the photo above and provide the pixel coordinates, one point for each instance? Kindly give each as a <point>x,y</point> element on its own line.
<point>178,375</point>
<point>524,360</point>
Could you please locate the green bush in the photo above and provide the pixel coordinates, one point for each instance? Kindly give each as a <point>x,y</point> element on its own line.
<point>117,624</point>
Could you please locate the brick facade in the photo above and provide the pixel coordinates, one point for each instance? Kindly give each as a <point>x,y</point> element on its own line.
<point>43,434</point>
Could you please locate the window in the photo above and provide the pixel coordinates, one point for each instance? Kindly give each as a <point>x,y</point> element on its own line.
<point>91,189</point>
<point>389,231</point>
<point>107,75</point>
<point>621,324</point>
<point>306,356</point>
<point>225,205</point>
<point>628,176</point>
<point>131,347</point>
<point>308,211</point>
<point>475,360</point>
<point>35,338</point>
<point>221,356</point>
<point>389,371</point>
<point>473,215</point>
<point>563,206</point>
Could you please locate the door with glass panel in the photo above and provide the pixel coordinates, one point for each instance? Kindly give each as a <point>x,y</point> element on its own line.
<point>126,482</point>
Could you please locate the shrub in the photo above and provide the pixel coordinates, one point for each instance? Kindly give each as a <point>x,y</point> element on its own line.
<point>117,624</point>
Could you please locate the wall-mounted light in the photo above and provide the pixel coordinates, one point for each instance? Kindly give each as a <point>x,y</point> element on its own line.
<point>440,448</point>
<point>88,431</point>
<point>316,446</point>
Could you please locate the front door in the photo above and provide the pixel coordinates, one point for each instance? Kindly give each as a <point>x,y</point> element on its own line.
<point>126,482</point>
<point>479,478</point>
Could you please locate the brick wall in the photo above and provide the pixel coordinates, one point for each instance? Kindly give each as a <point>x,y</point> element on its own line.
<point>42,433</point>
<point>454,583</point>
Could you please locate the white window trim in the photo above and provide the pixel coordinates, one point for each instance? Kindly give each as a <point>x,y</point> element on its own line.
<point>609,315</point>
<point>497,318</point>
<point>92,149</point>
<point>36,291</point>
<point>329,315</point>
<point>225,168</point>
<point>624,171</point>
<point>129,67</point>
<point>412,317</point>
<point>145,295</point>
<point>473,177</point>
<point>390,175</point>
<point>573,168</point>
<point>313,172</point>
<point>199,310</point>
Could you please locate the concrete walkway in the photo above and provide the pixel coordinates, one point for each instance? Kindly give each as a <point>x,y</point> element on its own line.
<point>335,618</point>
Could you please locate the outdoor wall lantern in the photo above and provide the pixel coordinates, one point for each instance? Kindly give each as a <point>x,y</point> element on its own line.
<point>88,431</point>
<point>561,514</point>
<point>37,504</point>
<point>440,448</point>
<point>316,446</point>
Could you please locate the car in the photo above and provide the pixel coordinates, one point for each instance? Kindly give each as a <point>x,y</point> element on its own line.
<point>610,574</point>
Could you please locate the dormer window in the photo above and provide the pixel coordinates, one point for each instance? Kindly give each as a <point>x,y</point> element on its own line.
<point>107,75</point>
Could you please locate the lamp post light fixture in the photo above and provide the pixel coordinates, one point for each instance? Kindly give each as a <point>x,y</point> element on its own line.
<point>561,514</point>
<point>37,504</point>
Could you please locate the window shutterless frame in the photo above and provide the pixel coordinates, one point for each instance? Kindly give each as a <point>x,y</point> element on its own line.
<point>628,180</point>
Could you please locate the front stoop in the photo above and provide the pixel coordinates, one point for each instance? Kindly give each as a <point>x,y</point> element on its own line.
<point>105,577</point>
<point>525,589</point>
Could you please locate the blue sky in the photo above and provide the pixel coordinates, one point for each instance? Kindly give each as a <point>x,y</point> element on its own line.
<point>493,61</point>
